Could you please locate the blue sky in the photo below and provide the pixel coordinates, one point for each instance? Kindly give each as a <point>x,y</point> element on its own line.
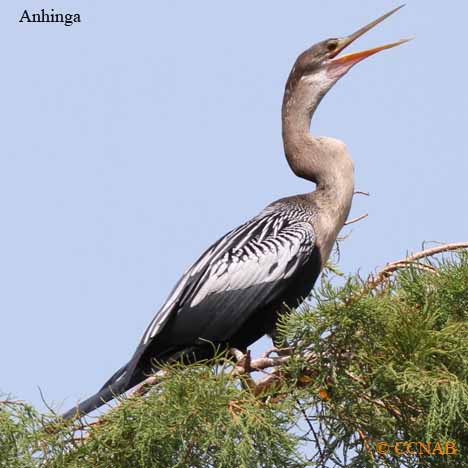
<point>133,140</point>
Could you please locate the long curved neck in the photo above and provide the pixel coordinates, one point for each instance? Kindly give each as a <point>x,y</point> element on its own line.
<point>324,161</point>
<point>303,152</point>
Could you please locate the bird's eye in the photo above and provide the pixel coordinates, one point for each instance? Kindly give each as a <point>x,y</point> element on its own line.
<point>331,46</point>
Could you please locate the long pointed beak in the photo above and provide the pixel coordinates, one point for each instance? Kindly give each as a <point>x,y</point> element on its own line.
<point>354,57</point>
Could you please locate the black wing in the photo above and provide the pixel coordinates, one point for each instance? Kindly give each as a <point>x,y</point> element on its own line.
<point>237,275</point>
<point>244,271</point>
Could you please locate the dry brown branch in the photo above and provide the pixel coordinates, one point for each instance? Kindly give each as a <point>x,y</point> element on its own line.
<point>359,192</point>
<point>412,260</point>
<point>355,220</point>
<point>404,264</point>
<point>437,250</point>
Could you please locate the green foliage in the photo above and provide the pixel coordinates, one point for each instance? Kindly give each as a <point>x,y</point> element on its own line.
<point>19,423</point>
<point>392,361</point>
<point>197,416</point>
<point>369,365</point>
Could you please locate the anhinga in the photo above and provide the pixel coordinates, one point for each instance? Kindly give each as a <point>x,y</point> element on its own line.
<point>233,294</point>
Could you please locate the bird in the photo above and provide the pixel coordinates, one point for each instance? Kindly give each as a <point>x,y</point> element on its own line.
<point>239,287</point>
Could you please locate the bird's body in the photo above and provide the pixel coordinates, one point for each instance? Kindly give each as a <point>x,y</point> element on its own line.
<point>232,295</point>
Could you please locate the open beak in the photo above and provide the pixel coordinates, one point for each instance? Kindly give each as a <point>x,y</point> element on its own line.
<point>350,59</point>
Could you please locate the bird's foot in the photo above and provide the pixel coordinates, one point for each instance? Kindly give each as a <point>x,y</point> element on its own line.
<point>243,360</point>
<point>243,368</point>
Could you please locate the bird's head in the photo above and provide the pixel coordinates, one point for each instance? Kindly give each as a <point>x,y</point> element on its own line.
<point>321,65</point>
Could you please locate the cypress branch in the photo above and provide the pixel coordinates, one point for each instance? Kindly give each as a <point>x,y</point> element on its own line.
<point>370,361</point>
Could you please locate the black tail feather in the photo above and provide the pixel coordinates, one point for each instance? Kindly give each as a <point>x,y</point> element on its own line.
<point>134,372</point>
<point>116,376</point>
<point>119,383</point>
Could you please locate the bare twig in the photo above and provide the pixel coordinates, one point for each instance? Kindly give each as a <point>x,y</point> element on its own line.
<point>355,220</point>
<point>359,192</point>
<point>437,250</point>
<point>45,402</point>
<point>405,263</point>
<point>411,260</point>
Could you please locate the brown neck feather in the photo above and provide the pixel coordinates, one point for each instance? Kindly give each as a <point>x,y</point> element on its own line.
<point>303,152</point>
<point>322,160</point>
